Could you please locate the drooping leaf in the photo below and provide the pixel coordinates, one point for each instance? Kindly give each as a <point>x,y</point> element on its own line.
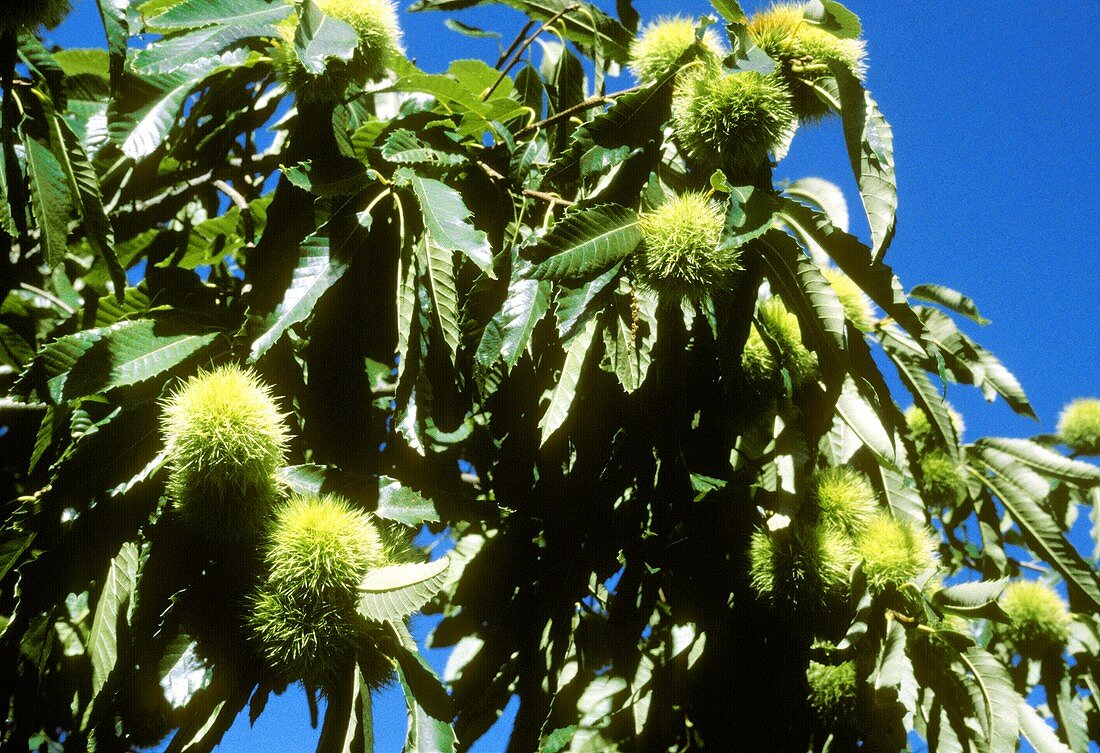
<point>393,592</point>
<point>1023,492</point>
<point>50,200</point>
<point>319,268</point>
<point>118,588</point>
<point>447,220</point>
<point>866,423</point>
<point>870,144</point>
<point>565,390</point>
<point>583,242</point>
<point>997,712</point>
<point>425,733</point>
<point>1044,460</point>
<point>198,50</point>
<point>1040,736</point>
<point>948,298</point>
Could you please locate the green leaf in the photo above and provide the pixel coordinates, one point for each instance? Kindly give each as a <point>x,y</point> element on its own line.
<point>1023,493</point>
<point>131,352</point>
<point>751,214</point>
<point>855,411</point>
<point>855,259</point>
<point>902,495</point>
<point>11,550</point>
<point>1036,731</point>
<point>584,241</point>
<point>196,51</point>
<point>870,144</point>
<point>140,131</point>
<point>320,37</point>
<point>319,268</point>
<point>730,10</point>
<point>403,504</point>
<point>927,397</point>
<point>824,195</point>
<point>527,302</point>
<point>1044,460</point>
<point>973,600</point>
<point>565,390</point>
<point>393,592</point>
<point>447,220</point>
<point>951,299</point>
<point>50,200</point>
<point>892,666</point>
<point>340,717</point>
<point>117,28</point>
<point>403,147</point>
<point>303,479</point>
<point>996,712</point>
<point>629,335</point>
<point>425,733</point>
<point>438,262</point>
<point>192,14</point>
<point>118,588</point>
<point>575,305</point>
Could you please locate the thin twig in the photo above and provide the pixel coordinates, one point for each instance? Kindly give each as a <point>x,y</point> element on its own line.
<point>579,107</point>
<point>242,204</point>
<point>515,43</point>
<point>552,198</point>
<point>523,48</point>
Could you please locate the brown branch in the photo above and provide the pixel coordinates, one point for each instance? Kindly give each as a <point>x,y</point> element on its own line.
<point>579,107</point>
<point>523,48</point>
<point>552,198</point>
<point>242,204</point>
<point>515,43</point>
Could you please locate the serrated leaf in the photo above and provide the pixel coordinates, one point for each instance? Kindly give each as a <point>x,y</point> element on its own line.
<point>403,504</point>
<point>856,260</point>
<point>117,29</point>
<point>118,588</point>
<point>1036,731</point>
<point>576,305</point>
<point>320,37</point>
<point>425,733</point>
<point>192,14</point>
<point>629,336</point>
<point>1044,460</point>
<point>393,592</point>
<point>197,50</point>
<point>855,411</point>
<point>973,600</point>
<point>11,550</point>
<point>824,195</point>
<point>141,131</point>
<point>870,144</point>
<point>902,495</point>
<point>564,392</point>
<point>404,147</point>
<point>892,666</point>
<point>447,220</point>
<point>438,262</point>
<point>927,397</point>
<point>131,352</point>
<point>303,479</point>
<point>583,242</point>
<point>50,200</point>
<point>948,298</point>
<point>997,712</point>
<point>1023,492</point>
<point>319,268</point>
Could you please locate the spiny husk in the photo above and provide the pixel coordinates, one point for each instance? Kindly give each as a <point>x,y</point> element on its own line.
<point>894,551</point>
<point>303,616</point>
<point>680,255</point>
<point>760,365</point>
<point>664,41</point>
<point>1040,619</point>
<point>803,53</point>
<point>225,437</point>
<point>1079,425</point>
<point>730,121</point>
<point>843,498</point>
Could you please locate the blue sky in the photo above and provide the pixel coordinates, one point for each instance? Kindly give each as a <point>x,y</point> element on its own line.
<point>994,109</point>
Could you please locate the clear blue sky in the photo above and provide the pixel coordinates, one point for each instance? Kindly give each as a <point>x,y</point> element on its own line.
<point>994,110</point>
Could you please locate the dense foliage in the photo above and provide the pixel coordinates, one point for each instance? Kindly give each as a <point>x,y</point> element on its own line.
<point>276,299</point>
